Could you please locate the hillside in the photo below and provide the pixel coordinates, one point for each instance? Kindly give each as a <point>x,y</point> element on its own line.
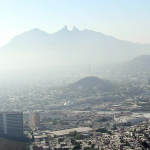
<point>92,82</point>
<point>138,63</point>
<point>143,60</point>
<point>137,66</point>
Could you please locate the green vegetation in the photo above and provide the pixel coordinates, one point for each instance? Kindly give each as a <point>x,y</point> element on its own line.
<point>55,136</point>
<point>77,146</point>
<point>89,143</point>
<point>76,135</point>
<point>73,141</point>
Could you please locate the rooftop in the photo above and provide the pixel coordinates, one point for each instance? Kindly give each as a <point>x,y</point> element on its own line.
<point>65,132</point>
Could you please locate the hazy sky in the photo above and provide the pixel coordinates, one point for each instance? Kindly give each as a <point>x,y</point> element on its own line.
<point>123,19</point>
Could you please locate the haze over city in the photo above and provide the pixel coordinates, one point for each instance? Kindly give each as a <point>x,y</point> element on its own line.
<point>74,74</point>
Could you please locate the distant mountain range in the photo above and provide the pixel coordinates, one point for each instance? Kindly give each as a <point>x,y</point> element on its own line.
<point>36,48</point>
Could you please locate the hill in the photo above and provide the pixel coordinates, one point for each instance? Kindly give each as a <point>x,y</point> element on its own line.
<point>36,48</point>
<point>138,66</point>
<point>92,82</point>
<point>143,60</point>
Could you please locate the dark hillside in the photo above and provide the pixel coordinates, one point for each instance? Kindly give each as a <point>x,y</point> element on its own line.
<point>9,144</point>
<point>92,82</point>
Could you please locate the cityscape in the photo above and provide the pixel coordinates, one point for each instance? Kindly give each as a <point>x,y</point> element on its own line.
<point>90,113</point>
<point>74,75</point>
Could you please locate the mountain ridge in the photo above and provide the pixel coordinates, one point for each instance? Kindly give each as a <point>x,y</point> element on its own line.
<point>65,28</point>
<point>68,47</point>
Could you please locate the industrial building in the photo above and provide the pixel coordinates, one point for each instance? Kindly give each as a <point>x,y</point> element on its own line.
<point>11,124</point>
<point>67,131</point>
<point>130,119</point>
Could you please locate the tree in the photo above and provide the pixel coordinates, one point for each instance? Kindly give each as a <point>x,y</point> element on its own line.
<point>77,146</point>
<point>73,141</point>
<point>78,136</point>
<point>73,133</point>
<point>89,143</point>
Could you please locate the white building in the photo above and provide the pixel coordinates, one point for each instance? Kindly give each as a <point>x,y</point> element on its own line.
<point>130,119</point>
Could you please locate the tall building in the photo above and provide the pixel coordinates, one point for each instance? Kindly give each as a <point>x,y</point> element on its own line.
<point>11,124</point>
<point>35,119</point>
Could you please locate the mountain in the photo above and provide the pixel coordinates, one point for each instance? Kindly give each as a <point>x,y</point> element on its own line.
<point>36,48</point>
<point>143,60</point>
<point>136,67</point>
<point>139,65</point>
<point>92,82</point>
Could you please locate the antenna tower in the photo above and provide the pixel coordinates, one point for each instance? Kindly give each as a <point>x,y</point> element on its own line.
<point>89,69</point>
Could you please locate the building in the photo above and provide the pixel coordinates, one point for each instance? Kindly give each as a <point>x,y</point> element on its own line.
<point>35,119</point>
<point>130,119</point>
<point>11,124</point>
<point>67,131</point>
